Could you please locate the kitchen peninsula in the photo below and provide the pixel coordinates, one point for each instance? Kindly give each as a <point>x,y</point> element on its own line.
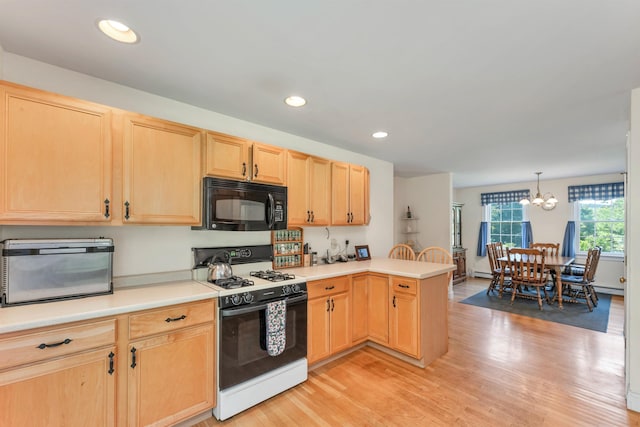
<point>397,306</point>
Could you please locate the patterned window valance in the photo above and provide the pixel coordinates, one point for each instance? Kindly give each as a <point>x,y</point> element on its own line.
<point>612,190</point>
<point>503,197</point>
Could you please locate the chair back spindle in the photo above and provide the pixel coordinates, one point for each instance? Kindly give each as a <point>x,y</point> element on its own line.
<point>402,251</point>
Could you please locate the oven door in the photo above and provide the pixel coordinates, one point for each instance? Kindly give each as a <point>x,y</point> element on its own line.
<point>242,348</point>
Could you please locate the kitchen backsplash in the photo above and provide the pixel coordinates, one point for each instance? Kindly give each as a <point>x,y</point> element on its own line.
<point>155,249</point>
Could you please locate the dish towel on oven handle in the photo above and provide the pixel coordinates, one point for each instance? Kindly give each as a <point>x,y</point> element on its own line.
<point>276,314</point>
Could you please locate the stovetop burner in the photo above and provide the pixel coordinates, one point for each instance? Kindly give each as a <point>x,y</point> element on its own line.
<point>272,276</point>
<point>233,282</point>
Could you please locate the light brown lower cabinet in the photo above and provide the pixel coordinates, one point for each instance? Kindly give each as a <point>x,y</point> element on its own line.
<point>171,379</point>
<point>328,317</point>
<point>154,367</point>
<point>359,307</point>
<point>404,319</point>
<point>370,308</point>
<point>378,308</point>
<point>59,376</point>
<point>170,361</point>
<point>406,315</point>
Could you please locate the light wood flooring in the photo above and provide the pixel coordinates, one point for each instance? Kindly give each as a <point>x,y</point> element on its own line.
<point>501,370</point>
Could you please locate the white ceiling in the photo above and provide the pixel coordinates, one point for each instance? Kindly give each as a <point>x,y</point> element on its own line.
<point>491,90</point>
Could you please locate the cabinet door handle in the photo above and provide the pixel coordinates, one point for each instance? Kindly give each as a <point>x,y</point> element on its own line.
<point>394,301</point>
<point>328,288</point>
<point>111,370</point>
<point>256,172</point>
<point>333,304</point>
<point>244,168</point>
<point>404,286</point>
<point>328,306</point>
<point>126,210</point>
<point>133,357</point>
<point>106,208</point>
<point>313,216</point>
<point>43,345</point>
<point>308,216</point>
<point>175,319</point>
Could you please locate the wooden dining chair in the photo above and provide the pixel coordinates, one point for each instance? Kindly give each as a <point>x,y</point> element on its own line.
<point>580,287</point>
<point>495,251</point>
<point>500,250</point>
<point>495,279</point>
<point>527,270</point>
<point>402,251</point>
<point>438,255</point>
<point>553,249</point>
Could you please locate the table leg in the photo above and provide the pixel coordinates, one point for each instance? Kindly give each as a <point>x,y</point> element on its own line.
<point>559,286</point>
<point>501,280</point>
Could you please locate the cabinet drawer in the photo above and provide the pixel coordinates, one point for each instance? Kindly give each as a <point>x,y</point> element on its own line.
<point>335,285</point>
<point>36,347</point>
<point>404,285</point>
<point>170,318</point>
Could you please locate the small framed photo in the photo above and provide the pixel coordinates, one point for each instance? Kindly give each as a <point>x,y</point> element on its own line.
<point>362,253</point>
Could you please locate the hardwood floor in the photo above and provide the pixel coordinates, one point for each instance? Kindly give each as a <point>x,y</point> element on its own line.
<point>501,370</point>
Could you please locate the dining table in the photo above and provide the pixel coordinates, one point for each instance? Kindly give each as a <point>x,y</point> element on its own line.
<point>552,262</point>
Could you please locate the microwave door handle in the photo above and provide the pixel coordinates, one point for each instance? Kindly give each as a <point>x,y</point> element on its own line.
<point>271,216</point>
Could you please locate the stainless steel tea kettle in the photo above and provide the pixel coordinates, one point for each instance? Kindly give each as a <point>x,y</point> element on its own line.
<point>219,267</point>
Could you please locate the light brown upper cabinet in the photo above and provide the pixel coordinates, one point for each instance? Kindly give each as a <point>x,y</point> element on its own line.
<point>309,189</point>
<point>161,171</point>
<point>348,194</point>
<point>56,161</point>
<point>237,158</point>
<point>367,196</point>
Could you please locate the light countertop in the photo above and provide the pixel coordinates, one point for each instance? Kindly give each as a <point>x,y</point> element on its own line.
<point>135,298</point>
<point>124,300</point>
<point>413,269</point>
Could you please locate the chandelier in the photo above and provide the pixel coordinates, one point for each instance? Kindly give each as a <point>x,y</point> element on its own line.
<point>547,201</point>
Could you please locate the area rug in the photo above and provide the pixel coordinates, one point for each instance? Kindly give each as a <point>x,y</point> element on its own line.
<point>572,313</point>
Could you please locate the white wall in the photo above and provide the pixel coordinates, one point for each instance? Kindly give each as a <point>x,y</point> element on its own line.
<point>632,296</point>
<point>547,226</point>
<point>141,249</point>
<point>430,199</point>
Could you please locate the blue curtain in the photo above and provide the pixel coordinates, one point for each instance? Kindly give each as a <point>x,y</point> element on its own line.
<point>569,237</point>
<point>527,234</point>
<point>482,240</point>
<point>612,190</point>
<point>503,197</point>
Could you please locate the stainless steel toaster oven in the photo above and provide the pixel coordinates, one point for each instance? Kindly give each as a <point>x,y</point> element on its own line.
<point>40,270</point>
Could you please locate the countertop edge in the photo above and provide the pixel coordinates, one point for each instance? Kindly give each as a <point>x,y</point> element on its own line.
<point>124,300</point>
<point>375,265</point>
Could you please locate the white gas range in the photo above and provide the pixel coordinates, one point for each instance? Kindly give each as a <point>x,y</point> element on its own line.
<point>247,374</point>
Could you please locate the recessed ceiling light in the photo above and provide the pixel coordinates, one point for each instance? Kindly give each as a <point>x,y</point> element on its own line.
<point>295,101</point>
<point>117,31</point>
<point>380,134</point>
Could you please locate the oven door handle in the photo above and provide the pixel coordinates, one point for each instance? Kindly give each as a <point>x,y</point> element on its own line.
<point>231,312</point>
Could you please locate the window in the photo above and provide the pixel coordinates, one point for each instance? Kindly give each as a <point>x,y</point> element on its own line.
<point>601,224</point>
<point>505,223</point>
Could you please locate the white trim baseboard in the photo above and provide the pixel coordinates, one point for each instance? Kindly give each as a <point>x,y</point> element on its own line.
<point>633,401</point>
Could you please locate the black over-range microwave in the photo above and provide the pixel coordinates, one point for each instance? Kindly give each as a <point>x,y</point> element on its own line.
<point>242,206</point>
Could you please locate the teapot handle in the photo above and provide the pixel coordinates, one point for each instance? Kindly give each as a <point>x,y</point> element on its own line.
<point>222,256</point>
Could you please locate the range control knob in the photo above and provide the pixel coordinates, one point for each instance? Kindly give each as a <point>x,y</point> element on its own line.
<point>236,299</point>
<point>286,290</point>
<point>296,288</point>
<point>248,297</point>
